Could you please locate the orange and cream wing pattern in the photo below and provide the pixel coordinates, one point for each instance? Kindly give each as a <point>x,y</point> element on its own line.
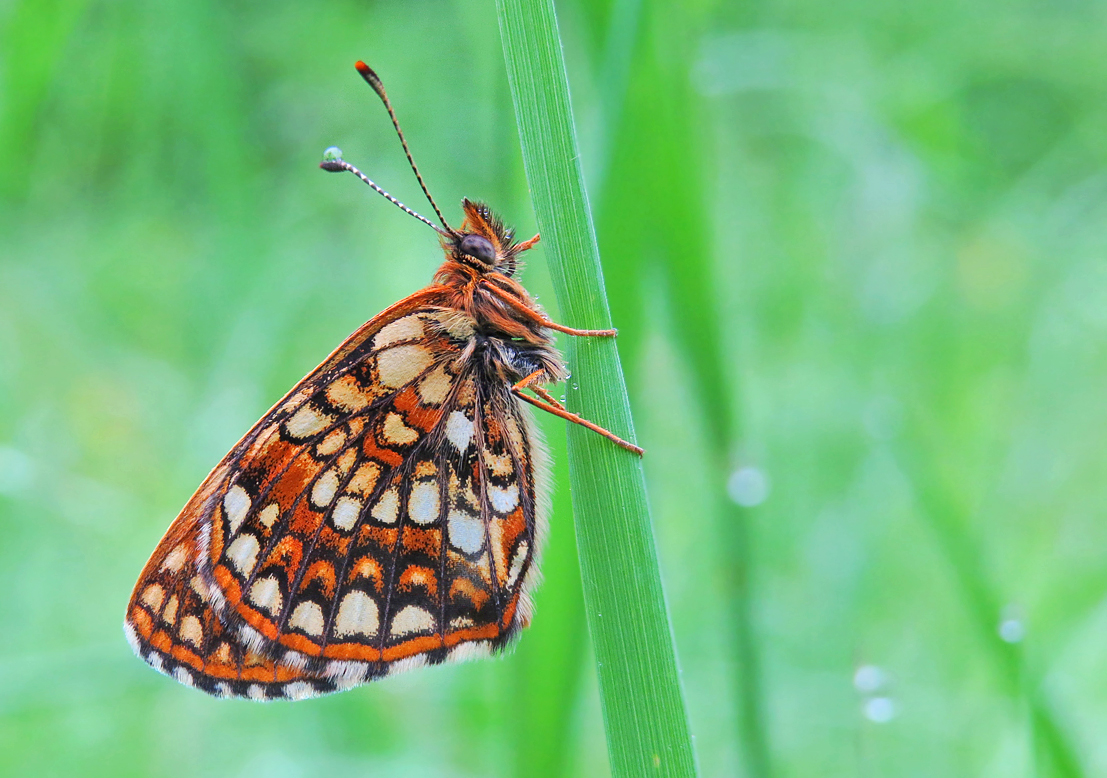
<point>387,513</point>
<point>171,624</point>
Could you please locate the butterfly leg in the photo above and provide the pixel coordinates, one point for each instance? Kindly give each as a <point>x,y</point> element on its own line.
<point>581,333</point>
<point>550,405</point>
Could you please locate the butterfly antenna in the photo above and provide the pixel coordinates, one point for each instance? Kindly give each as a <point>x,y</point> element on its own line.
<point>373,80</point>
<point>333,162</point>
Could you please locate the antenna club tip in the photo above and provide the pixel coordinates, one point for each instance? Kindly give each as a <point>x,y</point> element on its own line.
<point>332,160</point>
<point>370,77</point>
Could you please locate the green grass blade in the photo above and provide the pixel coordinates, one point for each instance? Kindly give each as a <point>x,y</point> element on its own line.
<point>643,705</point>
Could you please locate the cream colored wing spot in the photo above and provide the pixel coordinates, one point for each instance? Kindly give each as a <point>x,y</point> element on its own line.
<point>345,513</point>
<point>169,615</point>
<point>346,461</point>
<point>333,442</point>
<point>466,531</point>
<point>407,328</point>
<point>515,435</point>
<point>307,421</point>
<point>395,432</point>
<point>517,563</point>
<point>423,504</point>
<point>191,631</point>
<point>243,553</point>
<point>153,596</point>
<point>266,594</point>
<point>357,615</point>
<point>504,499</point>
<point>322,493</point>
<point>459,430</point>
<point>222,654</point>
<point>308,617</point>
<point>175,559</point>
<point>236,504</point>
<point>269,515</point>
<point>365,479</point>
<point>500,464</point>
<point>434,389</point>
<point>399,365</point>
<point>457,324</point>
<point>257,693</point>
<point>412,620</point>
<point>347,394</point>
<point>387,507</point>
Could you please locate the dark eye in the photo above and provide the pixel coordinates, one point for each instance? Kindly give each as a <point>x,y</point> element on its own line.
<point>479,248</point>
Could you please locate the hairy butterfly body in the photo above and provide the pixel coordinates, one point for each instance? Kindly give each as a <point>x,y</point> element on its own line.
<point>388,512</point>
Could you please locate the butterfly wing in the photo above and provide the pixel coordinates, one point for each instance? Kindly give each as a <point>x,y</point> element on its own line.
<point>171,625</point>
<point>384,514</point>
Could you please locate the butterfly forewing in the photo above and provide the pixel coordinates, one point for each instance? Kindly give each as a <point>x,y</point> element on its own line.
<point>384,514</point>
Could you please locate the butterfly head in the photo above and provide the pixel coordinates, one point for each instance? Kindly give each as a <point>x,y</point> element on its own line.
<point>484,243</point>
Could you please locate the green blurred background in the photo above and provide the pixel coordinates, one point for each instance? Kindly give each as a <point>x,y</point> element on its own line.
<point>856,255</point>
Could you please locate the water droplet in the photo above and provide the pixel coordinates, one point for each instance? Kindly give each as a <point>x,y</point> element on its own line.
<point>869,678</point>
<point>1012,624</point>
<point>880,710</point>
<point>1012,631</point>
<point>575,387</point>
<point>748,486</point>
<point>332,154</point>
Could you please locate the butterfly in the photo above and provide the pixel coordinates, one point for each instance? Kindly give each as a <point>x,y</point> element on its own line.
<point>388,512</point>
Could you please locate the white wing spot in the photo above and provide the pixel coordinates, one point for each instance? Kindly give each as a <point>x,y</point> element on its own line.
<point>412,619</point>
<point>236,504</point>
<point>345,513</point>
<point>243,553</point>
<point>325,487</point>
<point>422,505</point>
<point>459,430</point>
<point>256,692</point>
<point>358,614</point>
<point>407,328</point>
<point>266,594</point>
<point>308,617</point>
<point>184,676</point>
<point>517,563</point>
<point>400,364</point>
<point>299,690</point>
<point>469,650</point>
<point>466,531</point>
<point>387,507</point>
<point>504,499</point>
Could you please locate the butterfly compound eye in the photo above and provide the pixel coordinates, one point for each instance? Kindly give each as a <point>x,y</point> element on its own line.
<point>478,248</point>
